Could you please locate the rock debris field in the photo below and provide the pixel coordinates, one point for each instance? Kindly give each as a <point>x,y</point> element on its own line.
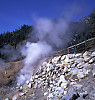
<point>67,77</point>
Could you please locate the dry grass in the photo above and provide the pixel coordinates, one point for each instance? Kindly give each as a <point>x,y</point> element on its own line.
<point>8,75</point>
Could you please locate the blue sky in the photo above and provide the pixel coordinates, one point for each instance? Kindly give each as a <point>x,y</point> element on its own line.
<point>14,13</point>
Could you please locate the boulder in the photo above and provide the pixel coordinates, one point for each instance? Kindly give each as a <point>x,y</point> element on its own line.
<point>30,85</point>
<point>78,55</point>
<point>86,54</point>
<point>86,59</point>
<point>55,59</point>
<point>73,65</point>
<point>15,97</point>
<point>71,55</point>
<point>7,99</point>
<point>93,71</point>
<point>92,60</point>
<point>93,54</point>
<point>64,85</point>
<point>80,75</point>
<point>63,57</point>
<point>80,65</point>
<point>66,59</point>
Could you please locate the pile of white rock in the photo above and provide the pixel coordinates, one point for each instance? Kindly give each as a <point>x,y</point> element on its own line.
<point>67,77</point>
<point>63,75</point>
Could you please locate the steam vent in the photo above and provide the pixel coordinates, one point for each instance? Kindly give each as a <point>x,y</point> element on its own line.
<point>66,77</point>
<point>47,49</point>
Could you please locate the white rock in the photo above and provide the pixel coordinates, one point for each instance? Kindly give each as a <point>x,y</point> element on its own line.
<point>80,65</point>
<point>58,75</point>
<point>63,57</point>
<point>85,54</point>
<point>27,82</point>
<point>50,95</point>
<point>69,69</point>
<point>48,69</point>
<point>32,78</point>
<point>65,69</point>
<point>71,61</point>
<point>7,99</point>
<point>62,82</point>
<point>62,78</point>
<point>86,59</point>
<point>73,65</point>
<point>15,97</point>
<point>74,71</point>
<point>86,72</point>
<point>64,63</point>
<point>55,59</point>
<point>17,87</point>
<point>36,76</point>
<point>65,92</point>
<point>43,73</point>
<point>69,66</point>
<point>58,90</point>
<point>50,81</point>
<point>92,60</point>
<point>48,65</point>
<point>21,94</point>
<point>44,64</point>
<point>51,66</point>
<point>21,87</point>
<point>93,71</point>
<point>67,59</point>
<point>58,65</point>
<point>80,75</point>
<point>51,85</point>
<point>93,54</point>
<point>30,85</point>
<point>70,55</point>
<point>78,55</point>
<point>64,85</point>
<point>81,94</point>
<point>61,92</point>
<point>45,93</point>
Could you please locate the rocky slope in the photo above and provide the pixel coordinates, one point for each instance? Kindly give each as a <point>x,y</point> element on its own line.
<point>67,77</point>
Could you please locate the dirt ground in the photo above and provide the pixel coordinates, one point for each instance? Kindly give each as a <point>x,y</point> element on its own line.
<point>8,84</point>
<point>8,77</point>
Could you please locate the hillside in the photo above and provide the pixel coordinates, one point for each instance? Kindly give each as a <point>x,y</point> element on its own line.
<point>67,77</point>
<point>32,67</point>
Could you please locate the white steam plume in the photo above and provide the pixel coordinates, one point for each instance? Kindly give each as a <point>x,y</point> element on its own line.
<point>51,31</point>
<point>50,34</point>
<point>33,52</point>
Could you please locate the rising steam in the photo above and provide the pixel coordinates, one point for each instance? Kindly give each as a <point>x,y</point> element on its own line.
<point>33,52</point>
<point>51,34</point>
<point>51,31</point>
